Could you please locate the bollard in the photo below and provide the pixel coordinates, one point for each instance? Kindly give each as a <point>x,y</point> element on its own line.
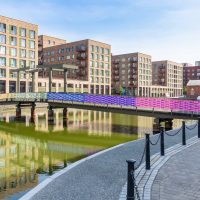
<point>148,165</point>
<point>130,180</point>
<point>198,127</point>
<point>162,141</point>
<point>183,134</point>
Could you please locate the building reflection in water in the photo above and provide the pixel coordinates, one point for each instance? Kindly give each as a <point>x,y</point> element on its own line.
<point>23,157</point>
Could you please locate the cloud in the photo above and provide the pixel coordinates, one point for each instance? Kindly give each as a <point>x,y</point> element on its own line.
<point>165,29</point>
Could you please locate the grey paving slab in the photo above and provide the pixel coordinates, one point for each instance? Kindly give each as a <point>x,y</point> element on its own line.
<point>102,177</point>
<point>179,178</point>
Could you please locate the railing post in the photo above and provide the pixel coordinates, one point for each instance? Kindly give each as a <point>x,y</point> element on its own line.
<point>162,141</point>
<point>198,127</point>
<point>147,143</point>
<point>130,180</point>
<point>183,133</point>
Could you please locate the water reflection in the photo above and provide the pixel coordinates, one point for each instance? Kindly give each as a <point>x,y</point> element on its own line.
<point>31,151</point>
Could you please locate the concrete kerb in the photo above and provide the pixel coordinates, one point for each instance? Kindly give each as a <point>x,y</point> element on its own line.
<point>43,184</point>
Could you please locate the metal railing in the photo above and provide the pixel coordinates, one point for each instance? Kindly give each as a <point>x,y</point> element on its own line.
<point>132,190</point>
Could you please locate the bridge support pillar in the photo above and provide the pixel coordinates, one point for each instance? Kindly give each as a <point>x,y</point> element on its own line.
<point>50,79</point>
<point>33,112</point>
<point>18,111</point>
<point>65,117</point>
<point>168,124</point>
<point>50,115</point>
<point>65,80</point>
<point>18,83</point>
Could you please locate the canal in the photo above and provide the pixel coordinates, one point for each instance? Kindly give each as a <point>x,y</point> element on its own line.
<point>32,151</point>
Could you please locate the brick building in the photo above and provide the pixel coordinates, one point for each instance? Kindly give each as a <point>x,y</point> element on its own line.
<point>168,76</point>
<point>45,41</point>
<point>190,73</point>
<point>133,73</point>
<point>93,59</point>
<point>18,49</point>
<point>193,89</point>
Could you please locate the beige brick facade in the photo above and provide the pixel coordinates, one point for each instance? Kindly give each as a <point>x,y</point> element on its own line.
<point>18,49</point>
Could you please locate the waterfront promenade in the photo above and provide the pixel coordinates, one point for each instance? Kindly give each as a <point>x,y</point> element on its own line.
<point>179,177</point>
<point>99,177</point>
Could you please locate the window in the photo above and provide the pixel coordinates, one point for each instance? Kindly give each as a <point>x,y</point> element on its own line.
<point>32,54</point>
<point>49,41</point>
<point>32,64</point>
<point>13,30</point>
<point>13,41</point>
<point>102,58</point>
<point>32,44</point>
<point>2,39</point>
<point>22,63</point>
<point>23,32</point>
<point>106,51</point>
<point>23,42</point>
<point>2,27</point>
<point>106,58</point>
<point>2,73</point>
<point>13,62</point>
<point>106,66</point>
<point>92,56</point>
<point>68,49</point>
<point>13,52</point>
<point>91,64</point>
<point>2,62</point>
<point>101,50</point>
<point>22,53</point>
<point>2,50</point>
<point>32,34</point>
<point>97,56</point>
<point>96,64</point>
<point>97,49</point>
<point>91,48</point>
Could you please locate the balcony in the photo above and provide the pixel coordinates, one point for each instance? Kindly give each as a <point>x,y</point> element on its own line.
<point>115,62</point>
<point>82,73</point>
<point>81,48</point>
<point>81,56</point>
<point>133,60</point>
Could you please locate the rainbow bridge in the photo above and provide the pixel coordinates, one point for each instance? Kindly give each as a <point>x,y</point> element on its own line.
<point>156,107</point>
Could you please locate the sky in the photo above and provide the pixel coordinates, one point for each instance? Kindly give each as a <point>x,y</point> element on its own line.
<point>165,29</point>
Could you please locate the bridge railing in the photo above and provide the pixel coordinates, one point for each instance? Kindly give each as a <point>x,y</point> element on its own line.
<point>161,104</point>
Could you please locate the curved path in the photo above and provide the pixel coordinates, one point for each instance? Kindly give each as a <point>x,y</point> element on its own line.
<point>99,177</point>
<point>179,178</point>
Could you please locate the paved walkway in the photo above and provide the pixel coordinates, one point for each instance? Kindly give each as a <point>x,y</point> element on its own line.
<point>101,177</point>
<point>179,178</point>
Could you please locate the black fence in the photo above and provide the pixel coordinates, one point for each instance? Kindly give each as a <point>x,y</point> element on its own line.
<point>132,191</point>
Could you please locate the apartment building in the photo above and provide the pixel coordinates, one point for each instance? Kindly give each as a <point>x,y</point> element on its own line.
<point>45,41</point>
<point>93,59</point>
<point>132,73</point>
<point>190,73</point>
<point>18,49</point>
<point>167,79</point>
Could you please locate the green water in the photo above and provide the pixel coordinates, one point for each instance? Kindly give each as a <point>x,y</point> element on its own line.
<point>31,151</point>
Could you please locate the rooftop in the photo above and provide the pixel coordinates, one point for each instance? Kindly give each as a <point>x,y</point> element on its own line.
<point>193,83</point>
